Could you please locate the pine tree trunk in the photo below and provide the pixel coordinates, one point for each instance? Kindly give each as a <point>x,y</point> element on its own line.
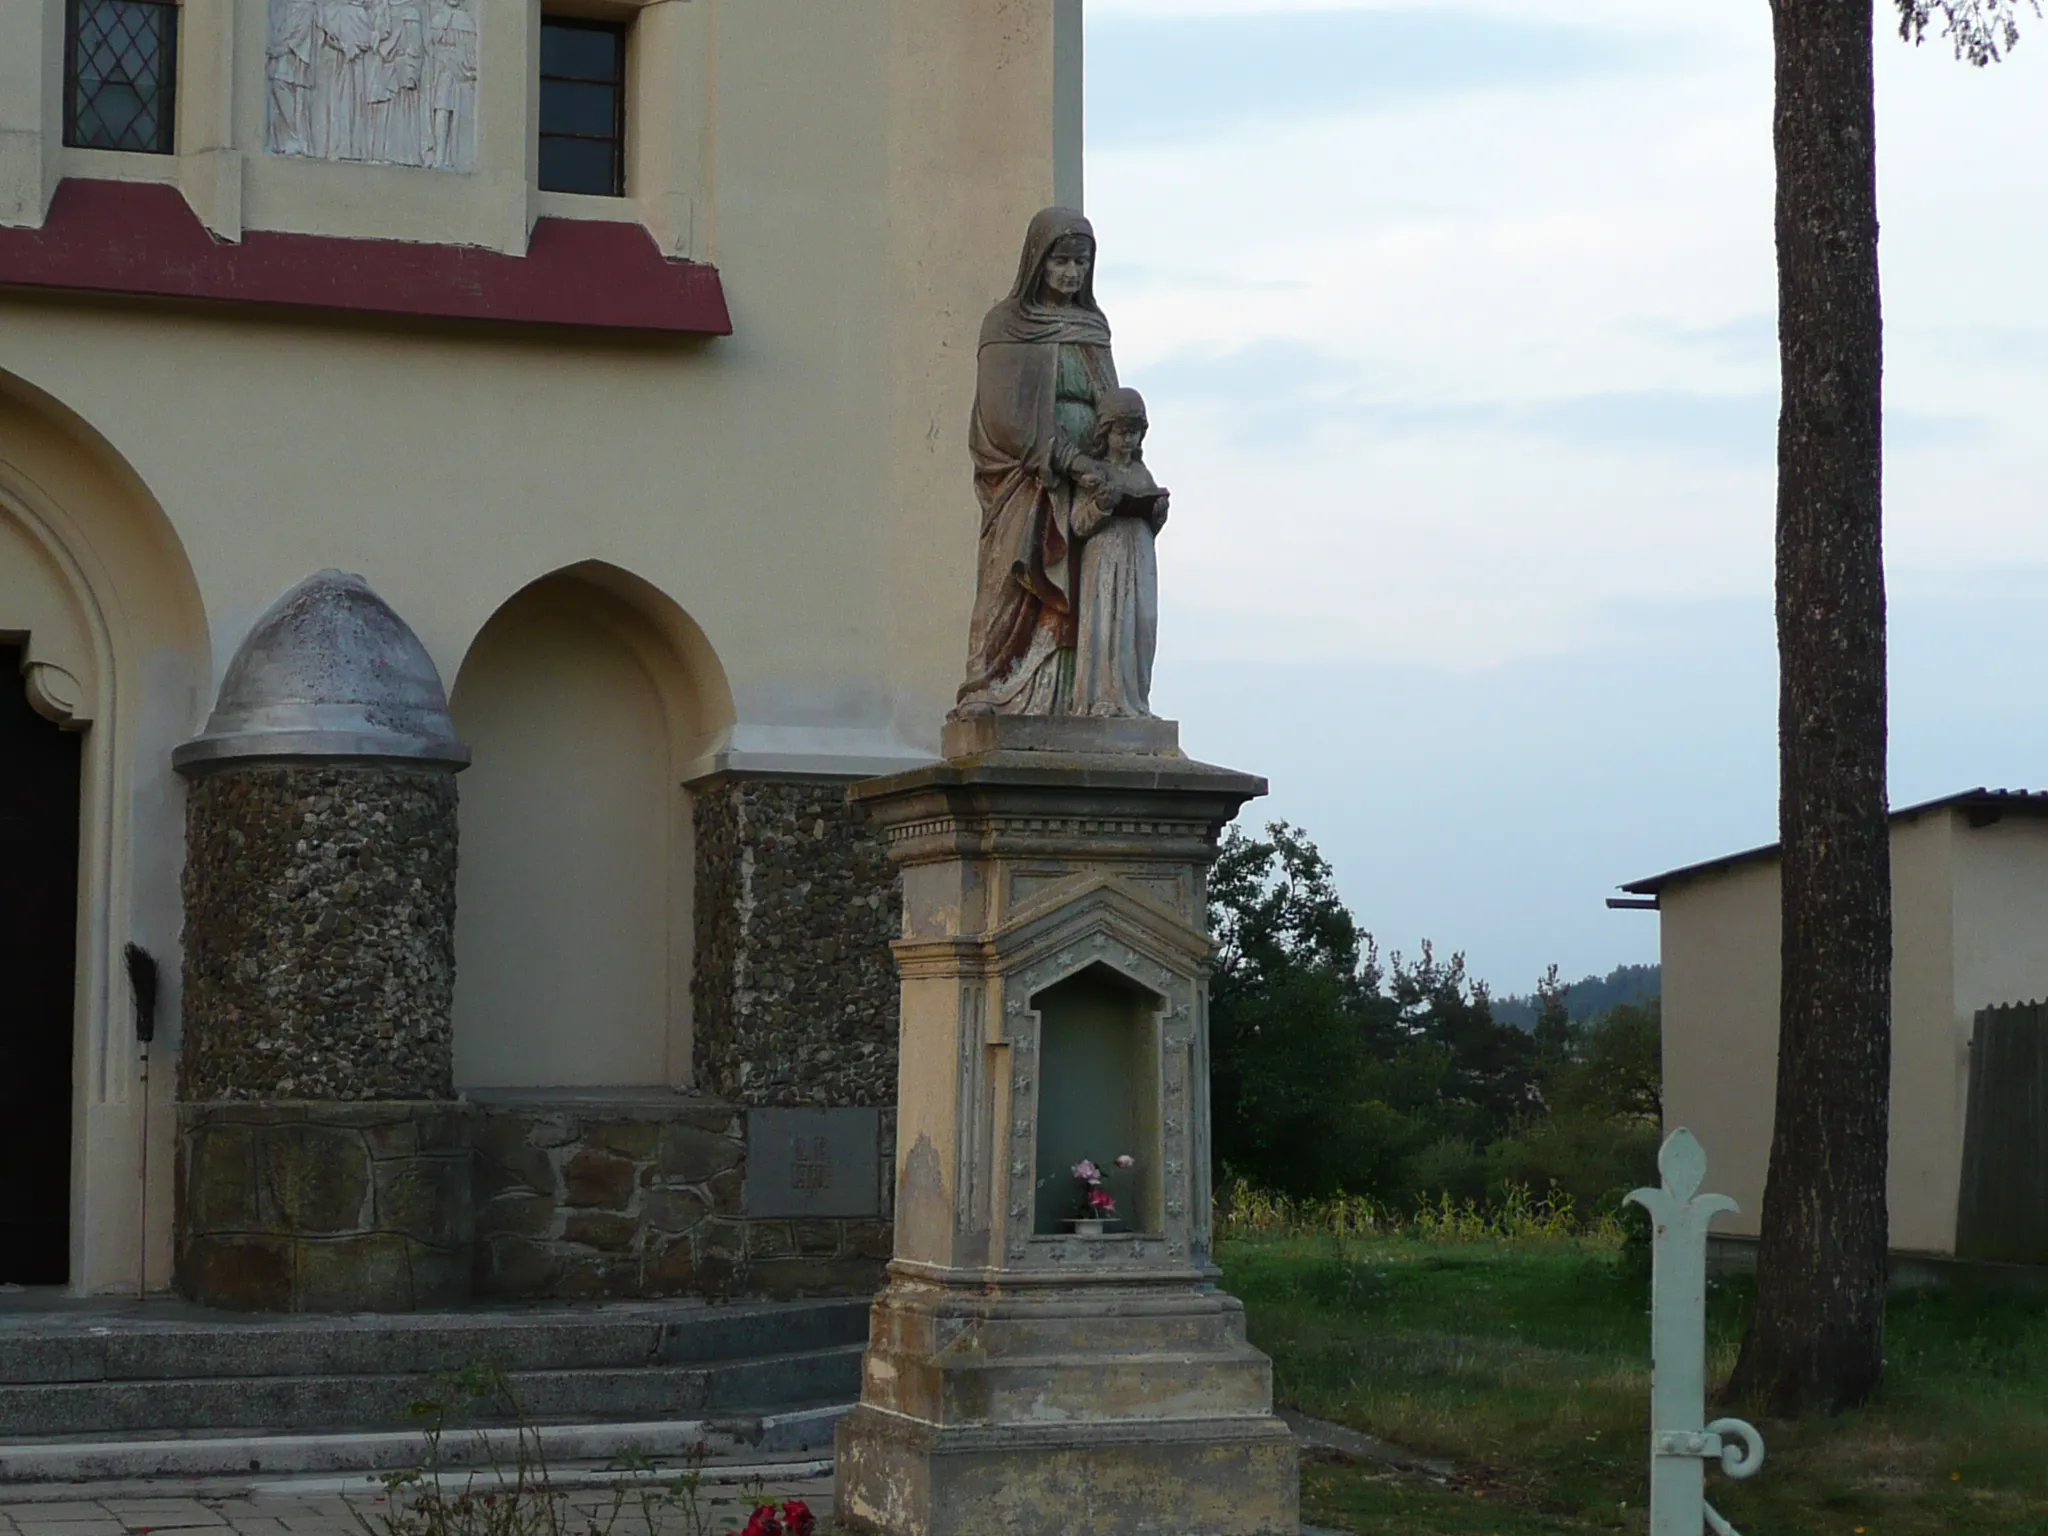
<point>1817,1337</point>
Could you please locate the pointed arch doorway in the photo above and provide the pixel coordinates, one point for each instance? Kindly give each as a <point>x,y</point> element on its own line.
<point>40,767</point>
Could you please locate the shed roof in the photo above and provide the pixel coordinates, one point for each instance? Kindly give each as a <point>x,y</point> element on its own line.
<point>1982,806</point>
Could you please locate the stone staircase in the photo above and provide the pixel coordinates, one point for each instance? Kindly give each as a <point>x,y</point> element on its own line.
<point>93,1390</point>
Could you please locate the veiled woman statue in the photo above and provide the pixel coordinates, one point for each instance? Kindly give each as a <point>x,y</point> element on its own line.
<point>1043,364</point>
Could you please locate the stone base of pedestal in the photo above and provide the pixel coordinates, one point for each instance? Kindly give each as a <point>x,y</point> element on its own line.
<point>1105,1407</point>
<point>324,1207</point>
<point>1200,1477</point>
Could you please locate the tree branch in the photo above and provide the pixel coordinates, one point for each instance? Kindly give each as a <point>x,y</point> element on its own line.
<point>1983,31</point>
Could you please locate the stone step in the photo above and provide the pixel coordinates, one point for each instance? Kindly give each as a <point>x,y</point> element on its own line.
<point>373,1400</point>
<point>232,1461</point>
<point>166,1341</point>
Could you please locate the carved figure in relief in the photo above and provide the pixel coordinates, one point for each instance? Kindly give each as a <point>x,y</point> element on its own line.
<point>1043,364</point>
<point>290,67</point>
<point>391,82</point>
<point>348,31</point>
<point>450,85</point>
<point>1117,600</point>
<point>397,125</point>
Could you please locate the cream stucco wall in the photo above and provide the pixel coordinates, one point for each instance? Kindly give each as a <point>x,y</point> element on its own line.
<point>861,171</point>
<point>1969,931</point>
<point>574,896</point>
<point>1720,1012</point>
<point>92,573</point>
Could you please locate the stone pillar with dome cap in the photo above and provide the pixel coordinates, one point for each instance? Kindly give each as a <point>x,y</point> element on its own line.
<point>323,1160</point>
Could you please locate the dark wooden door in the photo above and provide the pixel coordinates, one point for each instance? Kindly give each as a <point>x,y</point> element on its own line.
<point>39,768</point>
<point>2003,1212</point>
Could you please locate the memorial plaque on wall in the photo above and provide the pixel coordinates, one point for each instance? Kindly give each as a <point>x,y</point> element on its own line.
<point>814,1162</point>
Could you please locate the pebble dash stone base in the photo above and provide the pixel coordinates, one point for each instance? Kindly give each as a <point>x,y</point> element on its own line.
<point>321,1166</point>
<point>319,933</point>
<point>794,989</point>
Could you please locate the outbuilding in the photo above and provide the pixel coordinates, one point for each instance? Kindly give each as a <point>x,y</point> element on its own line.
<point>1969,1101</point>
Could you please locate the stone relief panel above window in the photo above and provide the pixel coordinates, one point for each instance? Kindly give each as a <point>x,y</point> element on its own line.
<point>386,82</point>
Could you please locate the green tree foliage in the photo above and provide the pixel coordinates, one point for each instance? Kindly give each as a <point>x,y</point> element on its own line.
<point>1333,1071</point>
<point>1294,1005</point>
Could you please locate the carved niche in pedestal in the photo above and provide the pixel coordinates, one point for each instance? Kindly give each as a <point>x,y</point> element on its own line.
<point>387,82</point>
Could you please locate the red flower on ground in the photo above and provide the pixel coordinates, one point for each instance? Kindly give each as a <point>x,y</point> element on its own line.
<point>793,1519</point>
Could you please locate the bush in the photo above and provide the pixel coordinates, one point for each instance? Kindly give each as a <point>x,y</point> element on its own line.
<point>1595,1162</point>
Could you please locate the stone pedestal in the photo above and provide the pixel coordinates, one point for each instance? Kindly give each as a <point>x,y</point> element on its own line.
<point>1024,1379</point>
<point>321,1164</point>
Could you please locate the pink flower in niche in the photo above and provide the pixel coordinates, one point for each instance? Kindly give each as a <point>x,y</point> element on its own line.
<point>1086,1171</point>
<point>1127,1161</point>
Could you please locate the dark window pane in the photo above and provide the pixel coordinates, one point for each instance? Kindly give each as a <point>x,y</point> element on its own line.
<point>581,53</point>
<point>579,165</point>
<point>120,68</point>
<point>588,111</point>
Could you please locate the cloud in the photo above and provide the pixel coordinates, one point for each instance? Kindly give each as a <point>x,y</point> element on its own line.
<point>1204,75</point>
<point>1463,370</point>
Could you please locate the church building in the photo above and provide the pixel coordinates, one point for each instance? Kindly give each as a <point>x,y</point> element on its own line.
<point>478,480</point>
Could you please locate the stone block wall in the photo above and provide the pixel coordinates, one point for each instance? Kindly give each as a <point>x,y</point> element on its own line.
<point>795,988</point>
<point>324,1207</point>
<point>319,933</point>
<point>589,1197</point>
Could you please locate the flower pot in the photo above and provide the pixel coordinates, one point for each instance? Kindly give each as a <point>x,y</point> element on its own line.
<point>1090,1226</point>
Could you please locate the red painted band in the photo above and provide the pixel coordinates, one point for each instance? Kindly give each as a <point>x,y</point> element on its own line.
<point>142,239</point>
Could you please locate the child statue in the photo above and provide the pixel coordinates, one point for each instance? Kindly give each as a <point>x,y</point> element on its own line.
<point>1117,595</point>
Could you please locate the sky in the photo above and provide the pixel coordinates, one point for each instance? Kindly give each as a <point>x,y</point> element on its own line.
<point>1456,321</point>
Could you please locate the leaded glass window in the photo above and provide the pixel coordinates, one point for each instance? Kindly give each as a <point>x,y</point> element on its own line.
<point>120,74</point>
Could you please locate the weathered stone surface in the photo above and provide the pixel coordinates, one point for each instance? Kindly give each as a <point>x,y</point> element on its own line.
<point>242,1273</point>
<point>636,1139</point>
<point>671,1268</point>
<point>422,1196</point>
<point>316,1178</point>
<point>219,1185</point>
<point>793,1277</point>
<point>594,1177</point>
<point>517,1266</point>
<point>693,1154</point>
<point>794,988</point>
<point>520,1212</point>
<point>642,1200</point>
<point>591,1276</point>
<point>335,1213</point>
<point>1237,1478</point>
<point>319,934</point>
<point>601,1229</point>
<point>668,1210</point>
<point>366,1273</point>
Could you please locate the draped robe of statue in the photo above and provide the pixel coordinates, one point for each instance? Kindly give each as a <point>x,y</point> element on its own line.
<point>449,86</point>
<point>1040,369</point>
<point>348,32</point>
<point>1117,597</point>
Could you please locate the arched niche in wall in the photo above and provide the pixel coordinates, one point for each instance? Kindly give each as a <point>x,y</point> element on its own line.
<point>582,698</point>
<point>101,615</point>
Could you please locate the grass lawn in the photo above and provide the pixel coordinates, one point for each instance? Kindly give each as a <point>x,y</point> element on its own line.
<point>1525,1364</point>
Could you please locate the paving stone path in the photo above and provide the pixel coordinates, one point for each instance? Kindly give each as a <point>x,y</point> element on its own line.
<point>724,1508</point>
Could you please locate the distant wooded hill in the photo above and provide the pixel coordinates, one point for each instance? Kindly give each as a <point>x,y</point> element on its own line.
<point>1590,998</point>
